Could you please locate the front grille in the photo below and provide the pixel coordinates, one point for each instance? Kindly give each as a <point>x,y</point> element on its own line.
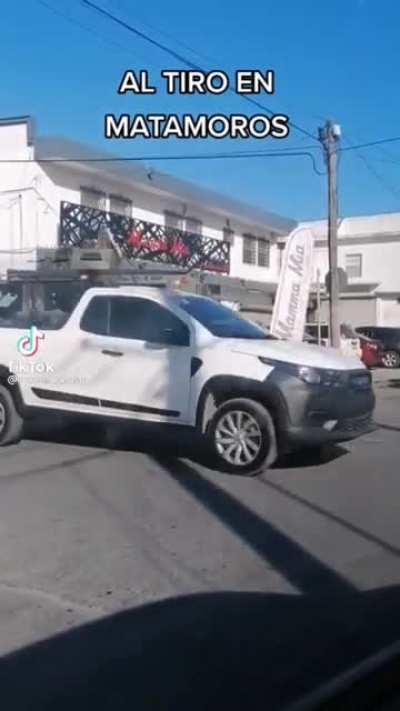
<point>354,424</point>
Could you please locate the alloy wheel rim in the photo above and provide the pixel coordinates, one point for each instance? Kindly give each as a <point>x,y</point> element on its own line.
<point>238,438</point>
<point>390,359</point>
<point>3,417</point>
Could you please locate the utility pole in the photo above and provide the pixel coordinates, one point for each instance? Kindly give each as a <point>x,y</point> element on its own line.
<point>319,305</point>
<point>329,136</point>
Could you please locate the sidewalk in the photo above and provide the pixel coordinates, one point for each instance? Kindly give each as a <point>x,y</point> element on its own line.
<point>386,377</point>
<point>387,391</point>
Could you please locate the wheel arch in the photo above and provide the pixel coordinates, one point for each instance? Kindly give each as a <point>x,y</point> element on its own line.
<point>221,388</point>
<point>13,388</point>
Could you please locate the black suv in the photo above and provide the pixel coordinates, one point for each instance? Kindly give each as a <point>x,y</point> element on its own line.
<point>390,342</point>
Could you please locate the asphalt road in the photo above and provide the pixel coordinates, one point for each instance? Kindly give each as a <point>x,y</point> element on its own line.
<point>88,530</point>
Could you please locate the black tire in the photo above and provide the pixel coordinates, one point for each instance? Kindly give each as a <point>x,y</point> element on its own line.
<point>265,438</point>
<point>11,423</point>
<point>391,359</point>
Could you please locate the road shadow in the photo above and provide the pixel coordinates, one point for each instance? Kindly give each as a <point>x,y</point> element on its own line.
<point>211,652</point>
<point>148,438</point>
<point>298,566</point>
<point>311,457</point>
<point>305,503</point>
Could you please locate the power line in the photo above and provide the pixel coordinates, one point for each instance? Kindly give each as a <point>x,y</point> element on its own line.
<point>212,59</point>
<point>207,156</point>
<point>72,20</point>
<point>352,147</point>
<point>97,35</point>
<point>383,151</point>
<point>186,61</point>
<point>379,178</point>
<point>179,41</point>
<point>371,169</point>
<point>387,160</point>
<point>181,58</point>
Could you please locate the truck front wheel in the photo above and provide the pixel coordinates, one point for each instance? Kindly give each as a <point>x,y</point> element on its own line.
<point>11,423</point>
<point>242,436</point>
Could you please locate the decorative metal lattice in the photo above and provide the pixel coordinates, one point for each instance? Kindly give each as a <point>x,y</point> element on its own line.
<point>141,240</point>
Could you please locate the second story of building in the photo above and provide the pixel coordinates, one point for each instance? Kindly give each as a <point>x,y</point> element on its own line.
<point>44,172</point>
<point>368,251</point>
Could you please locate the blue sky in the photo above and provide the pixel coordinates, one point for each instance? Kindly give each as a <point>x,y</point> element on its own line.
<point>337,59</point>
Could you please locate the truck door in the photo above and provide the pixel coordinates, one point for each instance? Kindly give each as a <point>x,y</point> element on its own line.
<point>140,355</point>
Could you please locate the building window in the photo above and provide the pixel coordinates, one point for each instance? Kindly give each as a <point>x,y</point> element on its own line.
<point>263,252</point>
<point>193,226</point>
<point>249,249</point>
<point>353,265</point>
<point>93,198</point>
<point>121,205</point>
<point>214,289</point>
<point>171,219</point>
<point>256,250</point>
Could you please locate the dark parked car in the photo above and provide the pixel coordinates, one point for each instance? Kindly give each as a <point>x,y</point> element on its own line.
<point>369,350</point>
<point>390,341</point>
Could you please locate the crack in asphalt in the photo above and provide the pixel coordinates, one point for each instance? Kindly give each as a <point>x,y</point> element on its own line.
<point>56,600</point>
<point>63,464</point>
<point>151,548</point>
<point>353,528</point>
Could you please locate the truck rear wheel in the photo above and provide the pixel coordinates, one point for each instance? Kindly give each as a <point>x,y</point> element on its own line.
<point>11,423</point>
<point>242,436</point>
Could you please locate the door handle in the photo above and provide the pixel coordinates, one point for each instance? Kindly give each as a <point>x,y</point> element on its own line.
<point>113,354</point>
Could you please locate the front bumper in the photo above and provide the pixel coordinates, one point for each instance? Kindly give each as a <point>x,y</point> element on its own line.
<point>310,415</point>
<point>344,430</point>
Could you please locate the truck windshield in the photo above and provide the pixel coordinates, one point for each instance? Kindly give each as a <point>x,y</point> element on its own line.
<point>220,320</point>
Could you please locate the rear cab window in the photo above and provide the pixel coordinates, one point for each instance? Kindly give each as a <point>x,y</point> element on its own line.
<point>11,309</point>
<point>45,304</point>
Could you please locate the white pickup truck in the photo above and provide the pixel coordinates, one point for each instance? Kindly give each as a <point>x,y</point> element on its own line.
<point>155,355</point>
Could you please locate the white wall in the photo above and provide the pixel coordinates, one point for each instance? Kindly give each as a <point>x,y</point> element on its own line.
<point>380,259</point>
<point>27,221</point>
<point>357,312</point>
<point>389,312</point>
<point>31,193</point>
<point>22,213</point>
<point>380,263</point>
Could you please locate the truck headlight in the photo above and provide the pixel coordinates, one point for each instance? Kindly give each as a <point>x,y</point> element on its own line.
<point>309,375</point>
<point>312,376</point>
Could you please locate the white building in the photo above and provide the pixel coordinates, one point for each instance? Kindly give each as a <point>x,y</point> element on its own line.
<point>32,190</point>
<point>369,253</point>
